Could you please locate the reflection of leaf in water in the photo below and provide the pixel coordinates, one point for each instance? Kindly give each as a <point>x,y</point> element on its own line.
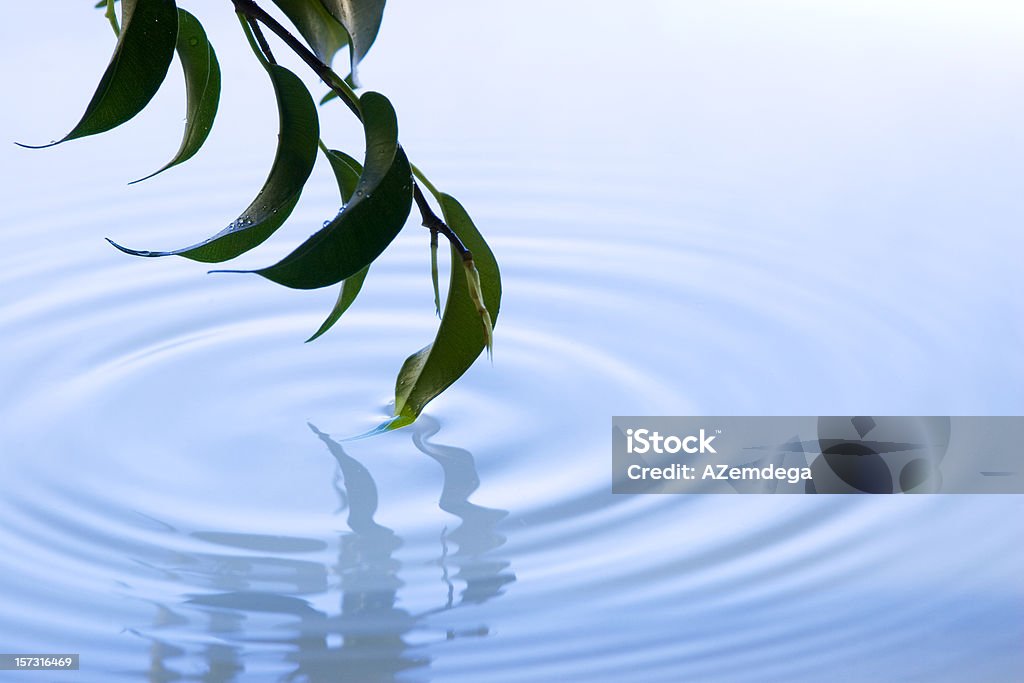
<point>476,536</point>
<point>259,588</point>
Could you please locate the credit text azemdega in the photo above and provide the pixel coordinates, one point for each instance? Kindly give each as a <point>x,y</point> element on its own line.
<point>641,441</point>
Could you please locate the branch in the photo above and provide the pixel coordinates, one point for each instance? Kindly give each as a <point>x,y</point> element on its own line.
<point>255,14</point>
<point>253,11</point>
<point>436,225</point>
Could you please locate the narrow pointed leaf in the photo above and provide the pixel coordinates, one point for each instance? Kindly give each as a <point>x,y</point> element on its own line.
<point>296,154</point>
<point>349,291</point>
<point>202,87</point>
<point>460,337</point>
<point>346,171</point>
<point>361,18</point>
<point>434,272</point>
<point>368,223</point>
<point>149,30</point>
<point>320,29</point>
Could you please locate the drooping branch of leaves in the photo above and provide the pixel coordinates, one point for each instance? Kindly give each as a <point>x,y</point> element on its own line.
<point>377,194</point>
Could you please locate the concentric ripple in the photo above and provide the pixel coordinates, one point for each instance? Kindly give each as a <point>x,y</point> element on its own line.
<point>178,499</point>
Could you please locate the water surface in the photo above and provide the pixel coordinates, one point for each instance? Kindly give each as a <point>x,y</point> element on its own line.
<point>727,210</point>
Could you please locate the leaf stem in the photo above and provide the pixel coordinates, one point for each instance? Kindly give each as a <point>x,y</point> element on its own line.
<point>111,16</point>
<point>247,29</point>
<point>423,179</point>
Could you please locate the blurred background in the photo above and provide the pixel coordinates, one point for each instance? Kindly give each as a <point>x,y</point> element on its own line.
<point>731,208</point>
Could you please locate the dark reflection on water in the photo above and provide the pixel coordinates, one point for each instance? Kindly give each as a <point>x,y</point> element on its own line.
<point>258,609</point>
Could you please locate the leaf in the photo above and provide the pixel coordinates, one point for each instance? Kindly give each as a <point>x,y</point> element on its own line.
<point>460,337</point>
<point>346,171</point>
<point>434,272</point>
<point>361,18</point>
<point>320,29</point>
<point>368,223</point>
<point>202,87</point>
<point>296,154</point>
<point>350,81</point>
<point>137,68</point>
<point>349,291</point>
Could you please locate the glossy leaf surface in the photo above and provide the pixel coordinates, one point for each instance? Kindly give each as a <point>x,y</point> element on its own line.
<point>296,154</point>
<point>149,30</point>
<point>368,223</point>
<point>202,87</point>
<point>321,30</point>
<point>461,337</point>
<point>361,18</point>
<point>347,171</point>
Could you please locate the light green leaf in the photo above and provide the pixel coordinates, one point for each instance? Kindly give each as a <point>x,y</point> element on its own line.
<point>368,223</point>
<point>320,29</point>
<point>461,337</point>
<point>361,18</point>
<point>144,50</point>
<point>347,171</point>
<point>296,154</point>
<point>202,87</point>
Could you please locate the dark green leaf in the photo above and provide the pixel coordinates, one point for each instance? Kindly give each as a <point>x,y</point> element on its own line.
<point>368,223</point>
<point>296,154</point>
<point>202,87</point>
<point>320,29</point>
<point>347,171</point>
<point>460,337</point>
<point>144,50</point>
<point>349,291</point>
<point>361,18</point>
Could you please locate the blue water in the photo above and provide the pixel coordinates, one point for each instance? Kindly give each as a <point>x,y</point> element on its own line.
<point>734,209</point>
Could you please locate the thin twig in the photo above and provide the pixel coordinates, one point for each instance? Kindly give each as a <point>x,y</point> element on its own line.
<point>261,39</point>
<point>326,74</point>
<point>432,222</point>
<point>255,14</point>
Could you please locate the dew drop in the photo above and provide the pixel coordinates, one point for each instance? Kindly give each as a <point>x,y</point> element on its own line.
<point>193,41</point>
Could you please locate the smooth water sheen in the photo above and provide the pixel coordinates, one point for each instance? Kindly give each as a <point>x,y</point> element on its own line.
<point>727,210</point>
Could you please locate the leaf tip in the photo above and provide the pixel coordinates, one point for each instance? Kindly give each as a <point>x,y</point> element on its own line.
<point>51,143</point>
<point>224,270</point>
<point>134,252</point>
<point>396,422</point>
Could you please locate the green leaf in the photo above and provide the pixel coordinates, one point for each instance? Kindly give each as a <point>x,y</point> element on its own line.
<point>350,81</point>
<point>461,337</point>
<point>296,154</point>
<point>368,223</point>
<point>349,291</point>
<point>347,171</point>
<point>202,87</point>
<point>141,58</point>
<point>361,18</point>
<point>320,29</point>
